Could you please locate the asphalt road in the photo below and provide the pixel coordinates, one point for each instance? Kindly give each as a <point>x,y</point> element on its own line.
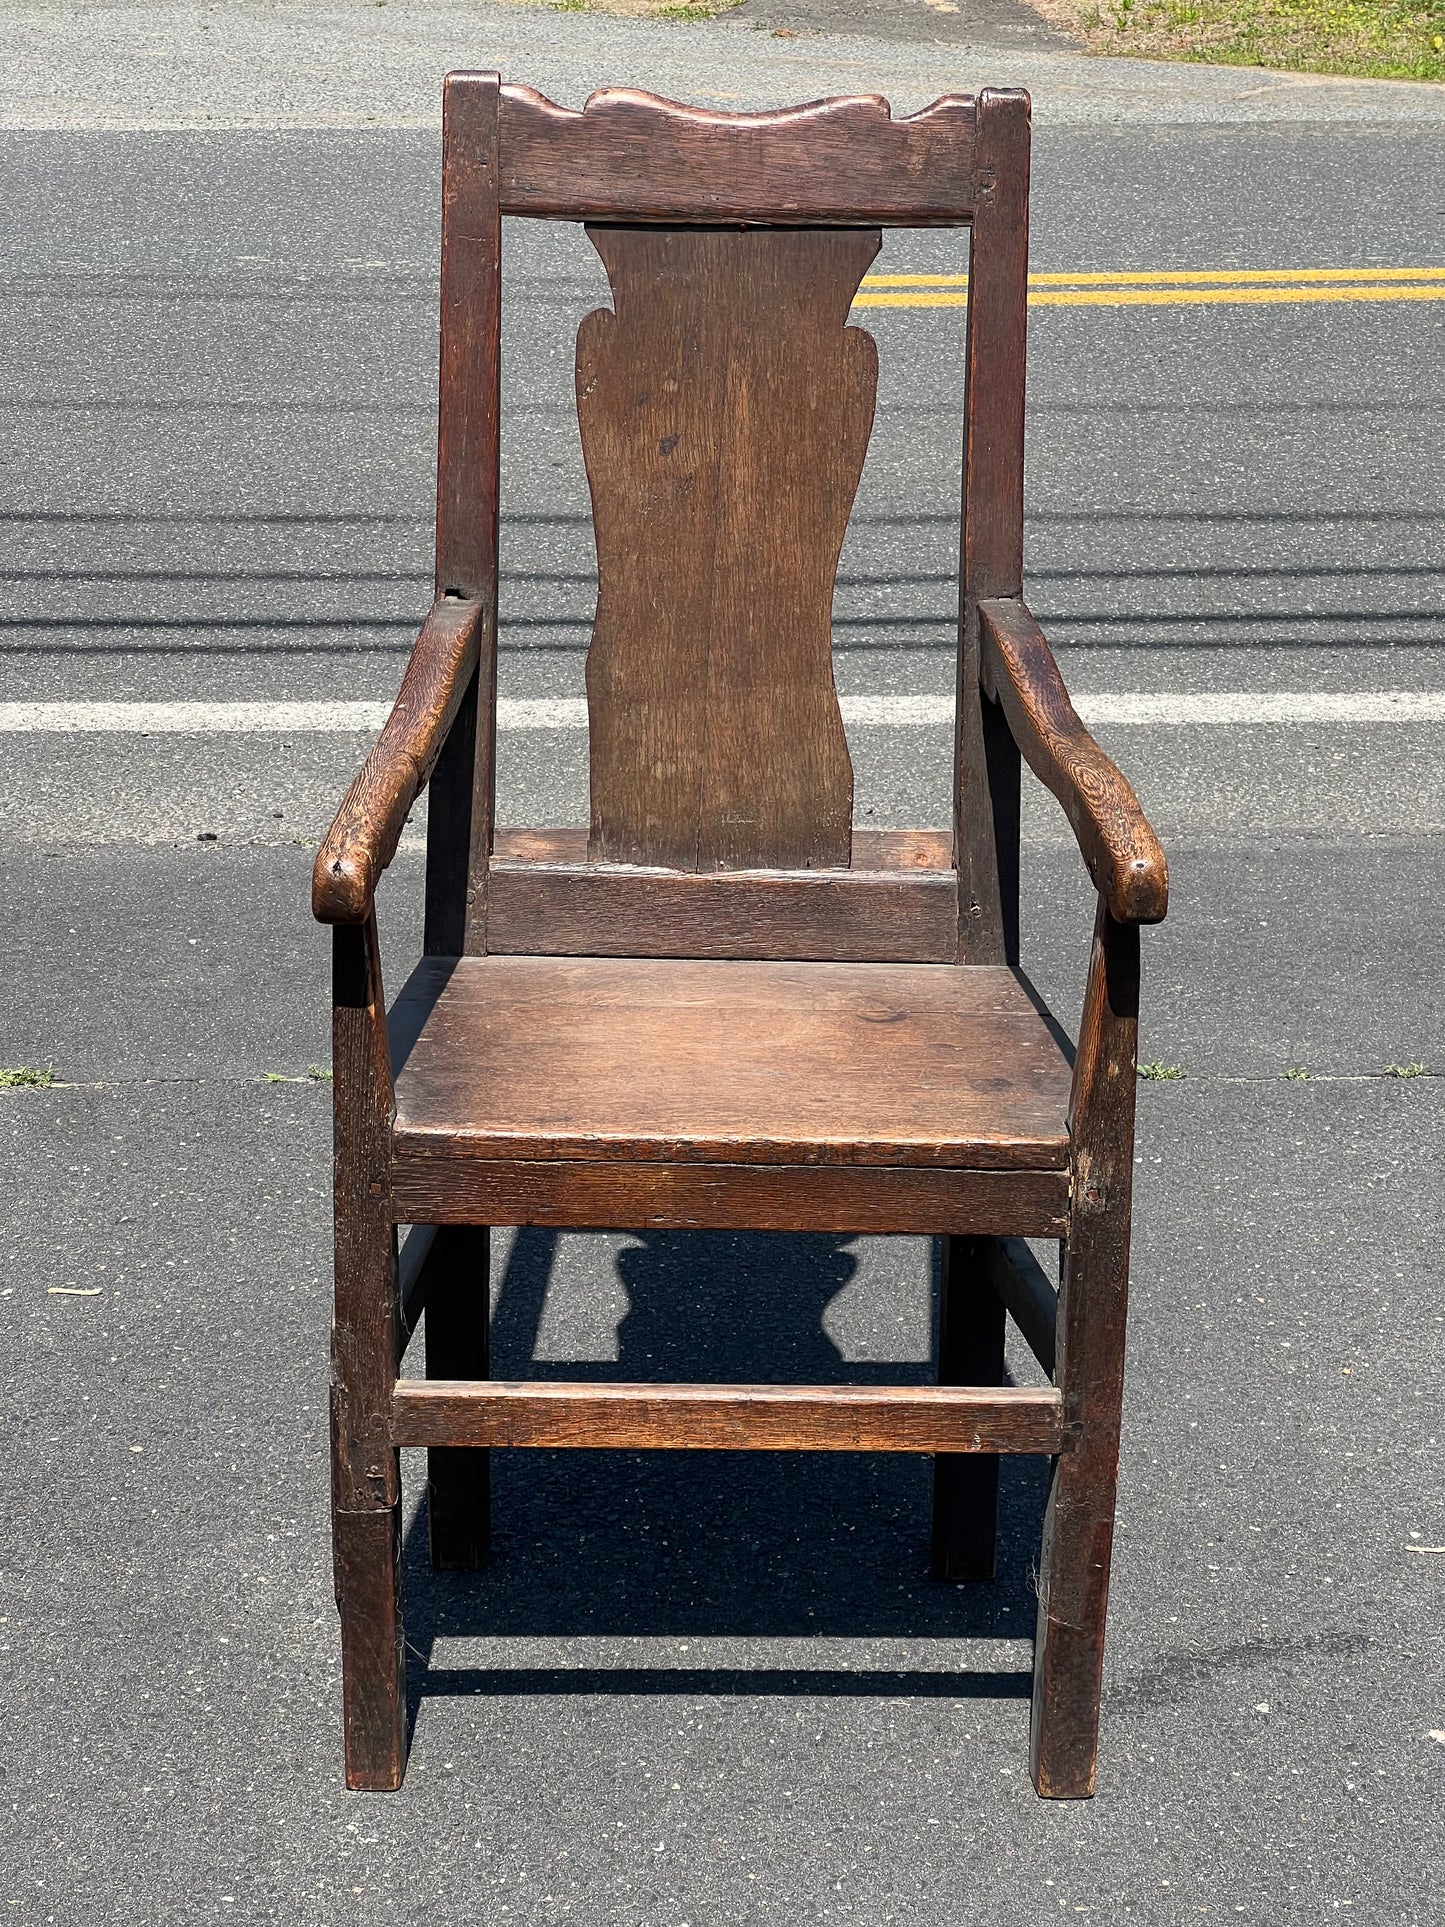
<point>713,1690</point>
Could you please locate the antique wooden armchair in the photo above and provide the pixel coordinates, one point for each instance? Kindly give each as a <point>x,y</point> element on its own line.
<point>725,1007</point>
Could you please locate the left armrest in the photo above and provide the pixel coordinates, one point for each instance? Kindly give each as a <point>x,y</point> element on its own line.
<point>363,839</point>
<point>1121,850</point>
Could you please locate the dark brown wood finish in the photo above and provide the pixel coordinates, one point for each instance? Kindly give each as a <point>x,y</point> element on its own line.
<point>725,408</point>
<point>1093,1302</point>
<point>459,838</point>
<point>363,839</point>
<point>991,557</point>
<point>907,850</point>
<point>843,916</point>
<point>458,1478</point>
<point>971,1321</point>
<point>731,1063</point>
<point>765,1025</point>
<point>731,1418</point>
<point>1123,854</point>
<point>365,1475</point>
<point>1033,1304</point>
<point>412,1279</point>
<point>632,157</point>
<point>460,1188</point>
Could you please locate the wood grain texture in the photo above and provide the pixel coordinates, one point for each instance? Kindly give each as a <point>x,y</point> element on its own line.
<point>971,1325</point>
<point>364,1329</point>
<point>872,849</point>
<point>412,1278</point>
<point>845,916</point>
<point>366,1548</point>
<point>1121,850</point>
<point>365,1475</point>
<point>1033,1304</point>
<point>459,815</point>
<point>991,561</point>
<point>363,839</point>
<point>630,156</point>
<point>729,1063</point>
<point>471,319</point>
<point>725,409</point>
<point>729,1418</point>
<point>1093,1303</point>
<point>729,1197</point>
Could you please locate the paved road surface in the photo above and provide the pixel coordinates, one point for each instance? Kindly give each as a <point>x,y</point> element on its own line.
<point>711,1691</point>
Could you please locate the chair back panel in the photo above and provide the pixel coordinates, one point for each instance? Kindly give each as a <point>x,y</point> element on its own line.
<point>725,408</point>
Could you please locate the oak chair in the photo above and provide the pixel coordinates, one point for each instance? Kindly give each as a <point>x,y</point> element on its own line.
<point>724,1007</point>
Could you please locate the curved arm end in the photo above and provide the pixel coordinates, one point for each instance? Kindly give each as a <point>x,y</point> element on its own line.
<point>1123,854</point>
<point>363,839</point>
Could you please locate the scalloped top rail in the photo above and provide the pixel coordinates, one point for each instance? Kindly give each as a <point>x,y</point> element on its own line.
<point>636,158</point>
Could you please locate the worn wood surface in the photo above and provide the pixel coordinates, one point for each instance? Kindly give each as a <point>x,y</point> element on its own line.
<point>471,311</point>
<point>970,1352</point>
<point>458,1478</point>
<point>907,850</point>
<point>1123,854</point>
<point>458,1188</point>
<point>729,1418</point>
<point>1033,1304</point>
<point>363,839</point>
<point>752,1063</point>
<point>366,1550</point>
<point>596,910</point>
<point>412,1279</point>
<point>631,156</point>
<point>991,562</point>
<point>725,409</point>
<point>365,1477</point>
<point>468,470</point>
<point>1093,1302</point>
<point>365,1325</point>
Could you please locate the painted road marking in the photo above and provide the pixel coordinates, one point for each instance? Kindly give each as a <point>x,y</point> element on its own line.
<point>1169,708</point>
<point>1184,287</point>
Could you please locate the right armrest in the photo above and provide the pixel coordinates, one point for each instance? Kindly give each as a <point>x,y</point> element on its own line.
<point>1120,849</point>
<point>363,839</point>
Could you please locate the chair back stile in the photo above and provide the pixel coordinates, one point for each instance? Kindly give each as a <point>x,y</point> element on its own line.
<point>724,407</point>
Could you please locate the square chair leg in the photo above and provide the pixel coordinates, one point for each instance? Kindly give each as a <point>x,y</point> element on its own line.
<point>367,1548</point>
<point>458,1313</point>
<point>965,1484</point>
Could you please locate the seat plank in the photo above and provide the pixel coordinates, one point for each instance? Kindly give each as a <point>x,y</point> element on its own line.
<point>637,1060</point>
<point>728,1418</point>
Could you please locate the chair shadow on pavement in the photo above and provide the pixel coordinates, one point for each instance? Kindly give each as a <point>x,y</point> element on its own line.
<point>702,1546</point>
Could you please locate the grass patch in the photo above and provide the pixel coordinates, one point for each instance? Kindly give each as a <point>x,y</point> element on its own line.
<point>1407,1070</point>
<point>1372,39</point>
<point>318,1073</point>
<point>1161,1073</point>
<point>680,10</point>
<point>1298,1073</point>
<point>26,1077</point>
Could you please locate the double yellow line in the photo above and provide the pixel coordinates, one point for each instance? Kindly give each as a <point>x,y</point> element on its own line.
<point>1188,287</point>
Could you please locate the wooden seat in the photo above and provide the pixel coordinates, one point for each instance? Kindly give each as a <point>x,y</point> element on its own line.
<point>721,1005</point>
<point>920,1065</point>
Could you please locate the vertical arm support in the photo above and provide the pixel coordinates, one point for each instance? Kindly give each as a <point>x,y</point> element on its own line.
<point>365,1474</point>
<point>991,564</point>
<point>1093,1301</point>
<point>459,834</point>
<point>365,1328</point>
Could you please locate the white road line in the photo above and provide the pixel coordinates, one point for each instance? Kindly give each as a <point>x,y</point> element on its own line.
<point>1168,708</point>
